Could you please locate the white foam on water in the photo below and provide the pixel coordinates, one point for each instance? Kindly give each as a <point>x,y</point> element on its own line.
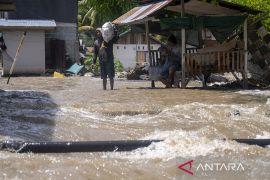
<point>200,112</point>
<point>264,135</point>
<point>140,118</point>
<point>193,112</point>
<point>217,83</point>
<point>95,116</point>
<point>179,143</point>
<point>79,112</point>
<point>255,92</point>
<point>4,155</point>
<point>268,101</point>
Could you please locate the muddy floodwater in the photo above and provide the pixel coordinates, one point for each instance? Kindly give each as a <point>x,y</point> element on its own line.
<point>192,122</point>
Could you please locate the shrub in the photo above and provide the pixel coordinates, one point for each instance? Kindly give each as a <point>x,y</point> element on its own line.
<point>95,69</point>
<point>91,67</point>
<point>118,66</point>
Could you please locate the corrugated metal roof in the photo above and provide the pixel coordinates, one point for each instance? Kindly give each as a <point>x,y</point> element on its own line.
<point>194,7</point>
<point>27,24</point>
<point>223,3</point>
<point>138,13</point>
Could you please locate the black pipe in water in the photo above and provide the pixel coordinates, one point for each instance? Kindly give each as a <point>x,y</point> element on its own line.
<point>78,146</point>
<point>258,142</point>
<point>94,146</point>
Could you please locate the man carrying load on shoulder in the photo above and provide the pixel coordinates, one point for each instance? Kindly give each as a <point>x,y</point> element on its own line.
<point>103,49</point>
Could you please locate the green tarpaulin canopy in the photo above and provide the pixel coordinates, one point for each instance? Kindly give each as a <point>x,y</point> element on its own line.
<point>220,26</point>
<point>192,36</point>
<point>223,27</point>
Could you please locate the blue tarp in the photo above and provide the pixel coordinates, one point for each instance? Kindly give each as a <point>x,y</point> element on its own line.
<point>75,68</point>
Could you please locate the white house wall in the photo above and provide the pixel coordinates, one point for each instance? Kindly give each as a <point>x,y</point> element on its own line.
<point>31,59</point>
<point>126,53</point>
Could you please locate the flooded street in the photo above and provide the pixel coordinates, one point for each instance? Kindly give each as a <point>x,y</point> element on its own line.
<point>192,122</point>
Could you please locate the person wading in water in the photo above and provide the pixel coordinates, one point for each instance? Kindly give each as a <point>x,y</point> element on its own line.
<point>103,49</point>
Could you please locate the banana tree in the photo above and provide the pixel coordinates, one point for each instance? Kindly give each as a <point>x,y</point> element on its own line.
<point>94,13</point>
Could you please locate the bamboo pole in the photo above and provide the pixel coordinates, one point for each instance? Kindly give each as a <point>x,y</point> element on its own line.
<point>16,56</point>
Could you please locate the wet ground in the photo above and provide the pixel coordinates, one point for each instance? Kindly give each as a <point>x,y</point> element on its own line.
<point>193,123</point>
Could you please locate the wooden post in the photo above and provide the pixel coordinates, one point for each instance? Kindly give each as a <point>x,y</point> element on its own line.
<point>183,45</point>
<point>245,78</point>
<point>149,48</point>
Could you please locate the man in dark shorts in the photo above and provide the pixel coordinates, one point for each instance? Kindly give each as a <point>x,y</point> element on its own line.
<point>104,51</point>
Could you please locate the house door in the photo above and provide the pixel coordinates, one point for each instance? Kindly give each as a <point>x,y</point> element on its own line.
<point>55,55</point>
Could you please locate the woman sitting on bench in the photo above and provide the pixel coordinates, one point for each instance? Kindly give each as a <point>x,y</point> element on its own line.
<point>172,55</point>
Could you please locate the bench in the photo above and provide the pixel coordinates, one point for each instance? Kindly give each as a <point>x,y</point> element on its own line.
<point>213,58</point>
<point>155,67</point>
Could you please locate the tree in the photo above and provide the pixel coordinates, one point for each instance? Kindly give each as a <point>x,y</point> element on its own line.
<point>262,5</point>
<point>93,13</point>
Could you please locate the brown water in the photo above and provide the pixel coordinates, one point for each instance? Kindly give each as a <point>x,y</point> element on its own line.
<point>193,123</point>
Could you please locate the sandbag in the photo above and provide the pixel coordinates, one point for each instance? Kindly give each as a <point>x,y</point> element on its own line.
<point>107,31</point>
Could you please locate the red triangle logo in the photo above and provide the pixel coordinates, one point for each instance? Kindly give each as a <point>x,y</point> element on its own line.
<point>181,166</point>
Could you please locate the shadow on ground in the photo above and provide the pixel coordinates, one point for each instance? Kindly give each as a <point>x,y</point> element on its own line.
<point>27,115</point>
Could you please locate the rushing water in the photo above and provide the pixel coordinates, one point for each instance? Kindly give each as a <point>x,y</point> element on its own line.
<point>192,122</point>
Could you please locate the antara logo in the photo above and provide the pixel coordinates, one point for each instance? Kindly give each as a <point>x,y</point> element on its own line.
<point>181,166</point>
<point>187,166</point>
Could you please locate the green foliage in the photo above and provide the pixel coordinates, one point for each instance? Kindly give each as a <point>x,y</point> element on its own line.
<point>87,37</point>
<point>95,68</point>
<point>262,5</point>
<point>95,13</point>
<point>91,67</point>
<point>118,66</point>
